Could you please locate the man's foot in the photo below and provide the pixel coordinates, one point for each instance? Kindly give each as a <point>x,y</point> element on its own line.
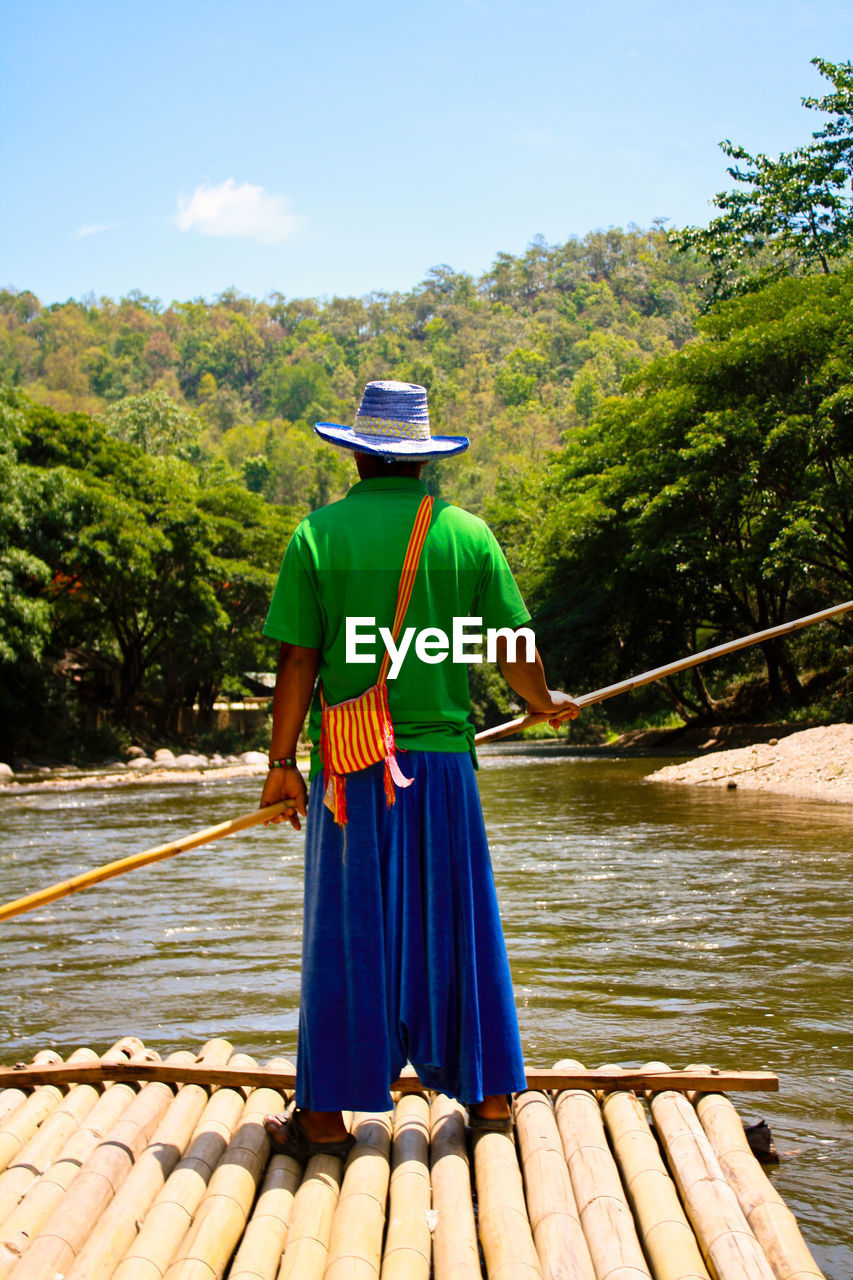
<point>303,1134</point>
<point>492,1115</point>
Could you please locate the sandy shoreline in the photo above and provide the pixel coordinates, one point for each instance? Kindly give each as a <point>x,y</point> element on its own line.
<point>815,764</point>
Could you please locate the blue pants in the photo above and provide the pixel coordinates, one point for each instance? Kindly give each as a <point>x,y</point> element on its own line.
<point>403,956</point>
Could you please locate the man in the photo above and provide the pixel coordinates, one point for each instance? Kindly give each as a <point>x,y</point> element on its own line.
<point>403,953</point>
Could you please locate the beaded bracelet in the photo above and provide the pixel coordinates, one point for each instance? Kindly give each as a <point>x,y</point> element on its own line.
<point>286,762</point>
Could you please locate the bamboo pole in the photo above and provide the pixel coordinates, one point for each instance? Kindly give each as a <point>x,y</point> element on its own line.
<point>106,872</point>
<point>64,1233</point>
<point>723,1233</point>
<point>262,1246</point>
<point>355,1244</point>
<point>42,1148</point>
<point>607,1222</point>
<point>171,1213</point>
<point>221,1217</point>
<point>774,1225</point>
<point>504,1227</point>
<point>666,1235</point>
<point>118,1225</point>
<point>557,1231</point>
<point>307,1246</point>
<point>455,1255</point>
<point>706,1079</point>
<point>408,1245</point>
<point>660,673</point>
<point>27,1219</point>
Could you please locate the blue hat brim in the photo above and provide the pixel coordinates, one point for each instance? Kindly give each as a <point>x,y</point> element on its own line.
<point>391,446</point>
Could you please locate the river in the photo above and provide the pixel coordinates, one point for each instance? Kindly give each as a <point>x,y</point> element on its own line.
<point>643,922</point>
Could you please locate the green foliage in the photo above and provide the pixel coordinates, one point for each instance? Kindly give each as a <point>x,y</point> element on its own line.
<point>131,560</point>
<point>24,614</point>
<point>790,213</point>
<point>153,422</point>
<point>512,360</point>
<point>713,499</point>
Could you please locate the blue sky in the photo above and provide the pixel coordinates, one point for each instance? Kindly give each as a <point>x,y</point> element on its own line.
<point>332,148</point>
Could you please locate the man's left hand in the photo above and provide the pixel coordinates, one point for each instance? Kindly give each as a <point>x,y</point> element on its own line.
<point>286,785</point>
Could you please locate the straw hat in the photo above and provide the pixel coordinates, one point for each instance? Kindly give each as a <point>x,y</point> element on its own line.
<point>393,422</point>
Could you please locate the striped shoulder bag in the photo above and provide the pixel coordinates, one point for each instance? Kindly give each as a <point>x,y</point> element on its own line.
<point>358,733</point>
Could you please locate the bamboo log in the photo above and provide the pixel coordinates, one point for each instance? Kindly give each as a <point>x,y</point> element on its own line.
<point>27,1219</point>
<point>504,1227</point>
<point>12,1097</point>
<point>23,1119</point>
<point>43,1147</point>
<point>707,1079</point>
<point>723,1233</point>
<point>607,1222</point>
<point>666,1235</point>
<point>557,1232</point>
<point>262,1246</point>
<point>117,1227</point>
<point>224,1211</point>
<point>64,1234</point>
<point>407,1242</point>
<point>660,673</point>
<point>455,1255</point>
<point>771,1220</point>
<point>106,872</point>
<point>172,1212</point>
<point>355,1244</point>
<point>307,1247</point>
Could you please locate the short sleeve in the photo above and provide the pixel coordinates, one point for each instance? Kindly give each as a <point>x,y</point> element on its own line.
<point>295,616</point>
<point>499,601</point>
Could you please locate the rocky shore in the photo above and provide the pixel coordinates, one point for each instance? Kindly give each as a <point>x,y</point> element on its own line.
<point>137,768</point>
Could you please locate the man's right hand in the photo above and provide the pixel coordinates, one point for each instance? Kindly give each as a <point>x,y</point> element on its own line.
<point>561,706</point>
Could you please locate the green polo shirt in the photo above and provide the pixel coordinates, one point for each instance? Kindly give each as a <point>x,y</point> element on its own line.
<point>344,561</point>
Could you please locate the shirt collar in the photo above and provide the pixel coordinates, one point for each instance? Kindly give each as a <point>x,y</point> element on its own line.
<point>389,484</point>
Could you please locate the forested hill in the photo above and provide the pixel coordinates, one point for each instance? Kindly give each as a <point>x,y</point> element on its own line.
<point>662,437</point>
<point>513,359</point>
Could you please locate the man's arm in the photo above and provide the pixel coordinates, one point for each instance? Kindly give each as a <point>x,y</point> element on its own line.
<point>294,685</point>
<point>528,681</point>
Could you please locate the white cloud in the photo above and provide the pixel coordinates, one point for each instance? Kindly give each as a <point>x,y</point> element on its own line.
<point>94,228</point>
<point>228,210</point>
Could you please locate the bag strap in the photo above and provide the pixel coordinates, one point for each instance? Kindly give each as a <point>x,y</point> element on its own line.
<point>407,577</point>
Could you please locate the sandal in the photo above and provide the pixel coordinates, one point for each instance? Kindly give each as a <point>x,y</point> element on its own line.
<point>288,1138</point>
<point>491,1124</point>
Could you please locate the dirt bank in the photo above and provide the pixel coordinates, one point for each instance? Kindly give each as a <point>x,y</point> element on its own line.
<point>814,764</point>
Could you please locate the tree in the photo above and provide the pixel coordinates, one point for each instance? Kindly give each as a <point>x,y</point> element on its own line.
<point>788,214</point>
<point>148,565</point>
<point>24,611</point>
<point>714,498</point>
<point>153,422</point>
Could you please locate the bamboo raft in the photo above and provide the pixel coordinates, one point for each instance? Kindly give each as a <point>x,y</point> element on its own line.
<point>128,1167</point>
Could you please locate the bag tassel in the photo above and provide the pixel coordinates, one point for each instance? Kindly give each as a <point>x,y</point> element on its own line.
<point>393,774</point>
<point>340,810</point>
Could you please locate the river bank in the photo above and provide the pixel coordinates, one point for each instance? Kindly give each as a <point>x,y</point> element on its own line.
<point>812,763</point>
